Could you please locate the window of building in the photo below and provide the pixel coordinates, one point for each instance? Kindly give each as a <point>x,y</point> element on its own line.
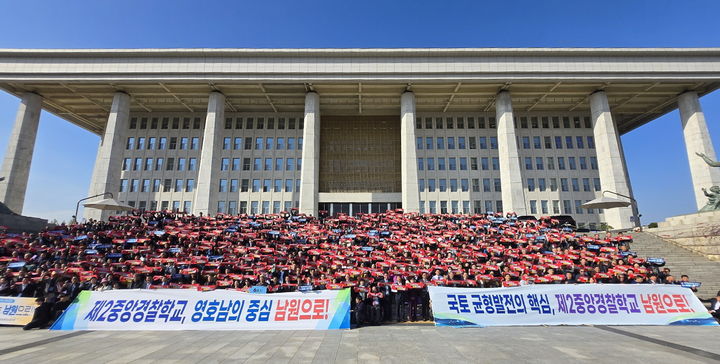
<point>537,144</point>
<point>267,185</point>
<point>431,164</point>
<point>288,185</point>
<point>526,142</point>
<point>277,185</point>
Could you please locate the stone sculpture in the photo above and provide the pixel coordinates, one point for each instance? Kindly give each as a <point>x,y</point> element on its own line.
<point>713,194</point>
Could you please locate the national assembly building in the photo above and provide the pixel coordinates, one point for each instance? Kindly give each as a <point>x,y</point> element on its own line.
<point>460,131</point>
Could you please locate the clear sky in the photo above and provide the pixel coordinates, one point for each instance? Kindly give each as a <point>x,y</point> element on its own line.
<point>64,154</point>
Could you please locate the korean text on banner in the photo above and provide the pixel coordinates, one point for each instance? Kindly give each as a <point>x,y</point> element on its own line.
<point>585,304</point>
<point>173,309</point>
<point>16,310</point>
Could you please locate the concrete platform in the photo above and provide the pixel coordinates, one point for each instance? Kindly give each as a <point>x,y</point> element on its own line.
<point>385,344</point>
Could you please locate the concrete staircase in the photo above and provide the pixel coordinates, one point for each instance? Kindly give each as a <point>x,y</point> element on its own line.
<point>680,261</point>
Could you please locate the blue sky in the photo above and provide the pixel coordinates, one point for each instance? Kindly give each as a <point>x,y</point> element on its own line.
<point>64,154</point>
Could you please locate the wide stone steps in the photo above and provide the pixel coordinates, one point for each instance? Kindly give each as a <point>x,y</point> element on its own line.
<point>680,261</point>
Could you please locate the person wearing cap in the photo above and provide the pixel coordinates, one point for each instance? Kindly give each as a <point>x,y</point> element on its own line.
<point>63,302</point>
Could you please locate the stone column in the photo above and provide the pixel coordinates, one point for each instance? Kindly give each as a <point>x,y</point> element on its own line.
<point>697,140</point>
<point>16,166</point>
<point>611,162</point>
<point>408,154</point>
<point>209,161</point>
<point>310,173</point>
<point>108,164</point>
<point>513,194</point>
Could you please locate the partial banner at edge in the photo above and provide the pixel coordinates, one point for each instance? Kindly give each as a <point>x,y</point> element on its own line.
<point>562,304</point>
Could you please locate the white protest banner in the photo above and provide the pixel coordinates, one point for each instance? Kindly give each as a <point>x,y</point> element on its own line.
<point>175,309</point>
<point>568,304</point>
<point>16,310</point>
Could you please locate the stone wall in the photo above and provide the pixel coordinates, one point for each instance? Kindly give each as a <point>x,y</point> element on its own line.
<point>699,232</point>
<point>19,224</point>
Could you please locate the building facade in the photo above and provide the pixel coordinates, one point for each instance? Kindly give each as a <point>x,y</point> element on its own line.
<point>530,131</point>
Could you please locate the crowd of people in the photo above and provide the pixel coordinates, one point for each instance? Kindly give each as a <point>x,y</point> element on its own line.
<point>386,259</point>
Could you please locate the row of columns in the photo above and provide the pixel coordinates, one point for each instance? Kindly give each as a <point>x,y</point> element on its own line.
<point>106,174</point>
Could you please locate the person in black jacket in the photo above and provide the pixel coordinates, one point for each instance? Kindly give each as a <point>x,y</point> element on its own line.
<point>74,288</point>
<point>42,316</point>
<point>26,288</point>
<point>59,307</point>
<point>7,288</point>
<point>715,307</point>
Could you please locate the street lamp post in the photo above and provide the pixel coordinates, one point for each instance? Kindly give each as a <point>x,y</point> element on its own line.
<point>77,207</point>
<point>633,203</point>
<point>609,203</point>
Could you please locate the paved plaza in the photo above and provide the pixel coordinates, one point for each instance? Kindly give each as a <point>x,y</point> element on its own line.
<point>386,344</point>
